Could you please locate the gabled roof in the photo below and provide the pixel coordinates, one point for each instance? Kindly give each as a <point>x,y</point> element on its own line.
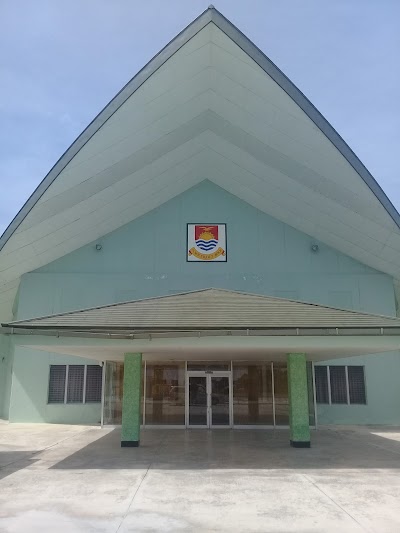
<point>208,309</point>
<point>211,106</point>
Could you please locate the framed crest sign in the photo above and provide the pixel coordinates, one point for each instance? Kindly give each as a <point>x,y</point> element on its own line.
<point>206,242</point>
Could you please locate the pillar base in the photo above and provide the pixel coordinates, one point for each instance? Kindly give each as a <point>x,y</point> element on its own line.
<point>300,444</point>
<point>129,443</point>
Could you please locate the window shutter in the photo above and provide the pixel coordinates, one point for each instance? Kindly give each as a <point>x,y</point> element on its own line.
<point>57,384</point>
<point>75,383</point>
<point>356,384</point>
<point>321,384</point>
<point>93,383</point>
<point>338,384</point>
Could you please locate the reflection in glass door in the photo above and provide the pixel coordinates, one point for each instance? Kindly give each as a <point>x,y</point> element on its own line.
<point>220,401</point>
<point>209,400</point>
<point>198,401</point>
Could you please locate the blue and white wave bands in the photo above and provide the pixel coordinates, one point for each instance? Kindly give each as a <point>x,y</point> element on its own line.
<point>206,245</point>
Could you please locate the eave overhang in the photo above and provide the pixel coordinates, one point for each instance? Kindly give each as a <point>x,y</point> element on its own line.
<point>168,333</point>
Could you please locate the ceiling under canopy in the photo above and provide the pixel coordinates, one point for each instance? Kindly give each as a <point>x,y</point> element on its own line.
<point>210,106</point>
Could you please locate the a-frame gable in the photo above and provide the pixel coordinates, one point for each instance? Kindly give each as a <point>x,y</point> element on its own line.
<point>211,106</point>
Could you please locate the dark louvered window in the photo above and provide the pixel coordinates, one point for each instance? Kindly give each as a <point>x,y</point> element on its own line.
<point>342,390</point>
<point>321,384</point>
<point>338,384</point>
<point>76,376</point>
<point>356,385</point>
<point>75,384</point>
<point>57,384</point>
<point>93,383</point>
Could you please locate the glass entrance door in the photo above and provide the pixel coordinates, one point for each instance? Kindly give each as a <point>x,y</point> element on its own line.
<point>198,401</point>
<point>220,401</point>
<point>209,399</point>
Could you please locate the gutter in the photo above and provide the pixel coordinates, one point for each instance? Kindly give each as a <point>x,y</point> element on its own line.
<point>197,333</point>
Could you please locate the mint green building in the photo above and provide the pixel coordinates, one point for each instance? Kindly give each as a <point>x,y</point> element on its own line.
<point>209,253</point>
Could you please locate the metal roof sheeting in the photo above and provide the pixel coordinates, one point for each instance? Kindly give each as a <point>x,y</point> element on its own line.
<point>209,309</point>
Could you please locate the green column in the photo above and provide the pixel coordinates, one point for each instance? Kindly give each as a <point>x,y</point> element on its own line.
<point>298,400</point>
<point>130,433</point>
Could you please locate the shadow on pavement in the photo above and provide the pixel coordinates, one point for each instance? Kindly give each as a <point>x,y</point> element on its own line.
<point>239,449</point>
<point>12,461</point>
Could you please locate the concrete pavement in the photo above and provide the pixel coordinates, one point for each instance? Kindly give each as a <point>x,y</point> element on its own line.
<point>77,479</point>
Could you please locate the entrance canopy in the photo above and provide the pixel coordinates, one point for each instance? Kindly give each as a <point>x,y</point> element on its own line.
<point>209,106</point>
<point>215,309</point>
<point>209,323</point>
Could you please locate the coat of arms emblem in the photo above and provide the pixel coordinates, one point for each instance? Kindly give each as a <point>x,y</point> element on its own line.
<point>206,242</point>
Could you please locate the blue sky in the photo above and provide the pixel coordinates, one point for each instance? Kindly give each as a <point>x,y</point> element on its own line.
<point>62,61</point>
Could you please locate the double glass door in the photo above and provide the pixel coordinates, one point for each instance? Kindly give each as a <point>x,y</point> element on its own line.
<point>209,399</point>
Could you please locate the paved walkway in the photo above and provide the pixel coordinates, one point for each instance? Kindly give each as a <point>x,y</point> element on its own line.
<point>56,478</point>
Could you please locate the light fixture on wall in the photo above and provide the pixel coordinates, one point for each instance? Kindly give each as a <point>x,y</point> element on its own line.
<point>99,247</point>
<point>314,248</point>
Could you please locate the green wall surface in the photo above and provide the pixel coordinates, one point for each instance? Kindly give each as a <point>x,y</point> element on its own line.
<point>382,388</point>
<point>30,388</point>
<point>147,257</point>
<point>5,374</point>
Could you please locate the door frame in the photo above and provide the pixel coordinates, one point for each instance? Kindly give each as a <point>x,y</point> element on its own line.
<point>209,374</point>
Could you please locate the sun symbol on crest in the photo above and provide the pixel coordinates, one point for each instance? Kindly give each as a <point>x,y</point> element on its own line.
<point>206,234</point>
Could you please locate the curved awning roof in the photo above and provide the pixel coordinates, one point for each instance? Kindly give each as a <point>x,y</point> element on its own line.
<point>211,106</point>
